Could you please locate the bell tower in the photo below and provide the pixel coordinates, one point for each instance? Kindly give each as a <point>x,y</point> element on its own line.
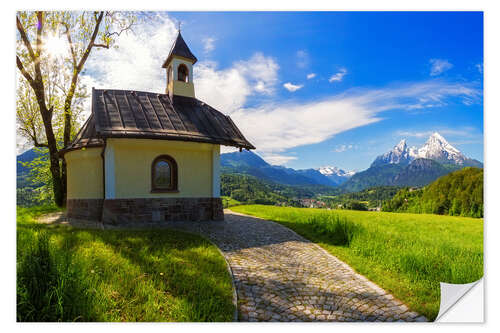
<point>179,67</point>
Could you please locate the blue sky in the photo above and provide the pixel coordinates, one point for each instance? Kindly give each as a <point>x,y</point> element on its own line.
<point>314,89</point>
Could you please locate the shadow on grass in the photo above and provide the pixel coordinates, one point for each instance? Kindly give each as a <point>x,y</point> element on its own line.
<point>54,282</point>
<point>190,273</point>
<point>49,286</point>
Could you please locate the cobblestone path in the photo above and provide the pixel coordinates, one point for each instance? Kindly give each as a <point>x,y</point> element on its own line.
<point>280,276</point>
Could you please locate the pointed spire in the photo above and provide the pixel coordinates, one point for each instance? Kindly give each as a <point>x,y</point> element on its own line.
<point>180,49</point>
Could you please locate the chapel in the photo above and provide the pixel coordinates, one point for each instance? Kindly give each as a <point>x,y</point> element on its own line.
<point>146,157</point>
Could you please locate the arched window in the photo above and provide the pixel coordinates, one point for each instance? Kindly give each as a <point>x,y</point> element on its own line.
<point>164,174</point>
<point>183,73</point>
<point>169,74</point>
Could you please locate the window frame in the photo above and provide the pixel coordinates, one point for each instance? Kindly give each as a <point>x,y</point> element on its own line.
<point>187,73</point>
<point>173,175</point>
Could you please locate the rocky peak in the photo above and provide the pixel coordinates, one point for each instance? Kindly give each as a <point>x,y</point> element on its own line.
<point>438,149</point>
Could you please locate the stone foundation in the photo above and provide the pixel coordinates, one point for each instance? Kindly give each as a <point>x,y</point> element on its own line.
<point>157,210</point>
<point>85,209</point>
<point>145,210</point>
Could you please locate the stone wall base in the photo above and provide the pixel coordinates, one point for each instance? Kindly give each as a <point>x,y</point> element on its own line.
<point>85,209</point>
<point>145,210</point>
<point>157,210</point>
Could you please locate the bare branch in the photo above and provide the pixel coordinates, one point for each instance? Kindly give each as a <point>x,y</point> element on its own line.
<point>39,29</point>
<point>39,145</point>
<point>26,75</point>
<point>106,46</point>
<point>91,43</point>
<point>118,33</point>
<point>68,36</point>
<point>25,38</point>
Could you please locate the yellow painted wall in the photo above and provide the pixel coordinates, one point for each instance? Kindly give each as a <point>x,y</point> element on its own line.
<point>183,88</point>
<point>84,174</point>
<point>179,87</point>
<point>133,159</point>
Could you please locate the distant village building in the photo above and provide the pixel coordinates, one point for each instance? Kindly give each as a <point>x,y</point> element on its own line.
<point>150,157</point>
<point>312,203</point>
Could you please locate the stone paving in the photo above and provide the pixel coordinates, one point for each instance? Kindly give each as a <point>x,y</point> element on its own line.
<point>280,276</point>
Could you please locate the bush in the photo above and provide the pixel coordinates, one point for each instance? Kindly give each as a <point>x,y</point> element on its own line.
<point>356,205</point>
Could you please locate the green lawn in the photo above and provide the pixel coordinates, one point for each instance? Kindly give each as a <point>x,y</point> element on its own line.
<point>68,274</point>
<point>406,254</point>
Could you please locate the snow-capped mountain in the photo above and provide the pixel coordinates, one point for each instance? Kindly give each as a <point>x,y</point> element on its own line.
<point>436,148</point>
<point>336,175</point>
<point>252,164</point>
<point>331,170</point>
<point>409,166</point>
<point>399,154</point>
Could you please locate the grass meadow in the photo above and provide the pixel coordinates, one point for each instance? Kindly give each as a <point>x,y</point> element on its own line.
<point>406,254</point>
<point>68,274</point>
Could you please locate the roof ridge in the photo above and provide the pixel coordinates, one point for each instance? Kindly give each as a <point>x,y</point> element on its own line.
<point>179,118</point>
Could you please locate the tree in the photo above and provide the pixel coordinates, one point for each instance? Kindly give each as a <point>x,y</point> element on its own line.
<point>49,99</point>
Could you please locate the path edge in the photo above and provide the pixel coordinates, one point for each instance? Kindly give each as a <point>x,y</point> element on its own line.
<point>362,277</point>
<point>228,266</point>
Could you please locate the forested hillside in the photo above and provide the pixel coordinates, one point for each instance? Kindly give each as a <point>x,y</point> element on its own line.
<point>249,189</point>
<point>370,197</point>
<point>459,193</point>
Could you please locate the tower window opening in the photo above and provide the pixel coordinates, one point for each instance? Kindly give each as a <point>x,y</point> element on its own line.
<point>183,73</point>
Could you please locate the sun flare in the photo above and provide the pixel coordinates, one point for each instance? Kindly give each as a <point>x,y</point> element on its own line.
<point>55,45</point>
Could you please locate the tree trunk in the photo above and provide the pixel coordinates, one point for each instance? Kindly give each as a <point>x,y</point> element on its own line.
<point>55,168</point>
<point>57,184</point>
<point>67,133</point>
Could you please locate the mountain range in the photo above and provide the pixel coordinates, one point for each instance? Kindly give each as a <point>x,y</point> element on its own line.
<point>401,166</point>
<point>246,162</point>
<point>411,166</point>
<point>436,148</point>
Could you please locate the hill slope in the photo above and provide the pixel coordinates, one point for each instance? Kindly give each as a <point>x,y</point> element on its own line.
<point>250,163</point>
<point>250,189</point>
<point>459,193</point>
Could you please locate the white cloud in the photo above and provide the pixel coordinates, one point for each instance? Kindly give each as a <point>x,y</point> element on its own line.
<point>342,148</point>
<point>302,58</point>
<point>338,76</point>
<point>292,87</point>
<point>278,159</point>
<point>272,127</point>
<point>228,89</point>
<point>136,65</point>
<point>136,62</point>
<point>311,76</point>
<point>463,132</point>
<point>261,71</point>
<point>275,128</point>
<point>439,66</point>
<point>208,44</point>
<point>479,68</point>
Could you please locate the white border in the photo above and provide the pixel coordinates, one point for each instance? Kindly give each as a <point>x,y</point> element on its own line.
<point>492,174</point>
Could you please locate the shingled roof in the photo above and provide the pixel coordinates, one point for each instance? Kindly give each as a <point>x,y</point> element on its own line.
<point>181,49</point>
<point>146,115</point>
